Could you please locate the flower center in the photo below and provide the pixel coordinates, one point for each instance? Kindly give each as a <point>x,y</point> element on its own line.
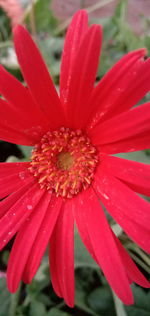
<point>64,162</point>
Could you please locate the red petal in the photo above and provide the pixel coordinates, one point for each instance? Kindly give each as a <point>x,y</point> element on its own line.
<point>11,222</point>
<point>12,177</point>
<point>136,89</point>
<point>78,215</point>
<point>75,33</point>
<point>126,207</point>
<point>14,124</point>
<point>8,134</point>
<point>42,239</point>
<point>83,76</point>
<point>12,183</point>
<point>133,272</point>
<point>103,244</point>
<point>121,81</point>
<point>37,77</point>
<point>24,242</point>
<point>135,174</point>
<point>21,104</point>
<point>14,197</point>
<point>62,255</point>
<point>128,131</point>
<point>20,121</point>
<point>13,167</point>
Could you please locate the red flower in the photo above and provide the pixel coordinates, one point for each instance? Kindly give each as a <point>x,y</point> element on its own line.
<point>72,167</point>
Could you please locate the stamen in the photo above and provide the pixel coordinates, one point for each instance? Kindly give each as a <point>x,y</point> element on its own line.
<point>64,162</point>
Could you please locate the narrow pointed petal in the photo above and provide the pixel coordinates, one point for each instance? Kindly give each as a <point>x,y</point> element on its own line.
<point>126,86</point>
<point>20,111</point>
<point>20,121</point>
<point>129,204</point>
<point>24,242</point>
<point>42,239</point>
<point>83,76</point>
<point>62,255</point>
<point>135,174</point>
<point>37,77</point>
<point>16,125</point>
<point>133,272</point>
<point>77,29</point>
<point>12,176</point>
<point>8,134</point>
<point>129,131</point>
<point>11,222</point>
<point>78,215</point>
<point>106,252</point>
<point>11,128</point>
<point>13,167</point>
<point>12,183</point>
<point>14,197</point>
<point>129,210</point>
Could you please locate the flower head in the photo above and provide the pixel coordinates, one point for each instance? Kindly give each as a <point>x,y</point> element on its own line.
<point>73,173</point>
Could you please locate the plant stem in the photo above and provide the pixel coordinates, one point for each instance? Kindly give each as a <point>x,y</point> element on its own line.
<point>140,262</point>
<point>144,256</point>
<point>120,311</point>
<point>14,303</point>
<point>32,19</point>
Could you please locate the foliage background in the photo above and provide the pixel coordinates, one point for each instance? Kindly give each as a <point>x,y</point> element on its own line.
<point>47,22</point>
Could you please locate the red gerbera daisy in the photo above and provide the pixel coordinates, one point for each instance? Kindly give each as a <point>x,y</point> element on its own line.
<point>72,173</point>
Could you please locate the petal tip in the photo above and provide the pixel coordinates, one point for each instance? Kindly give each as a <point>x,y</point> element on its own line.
<point>143,51</point>
<point>19,31</point>
<point>81,13</point>
<point>18,28</point>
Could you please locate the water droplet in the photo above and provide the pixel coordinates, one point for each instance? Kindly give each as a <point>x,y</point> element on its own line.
<point>21,175</point>
<point>29,207</point>
<point>106,196</point>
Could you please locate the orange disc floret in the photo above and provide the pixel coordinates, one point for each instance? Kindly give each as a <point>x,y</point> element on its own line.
<point>64,162</point>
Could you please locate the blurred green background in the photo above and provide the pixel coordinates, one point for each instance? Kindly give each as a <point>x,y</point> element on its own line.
<point>126,26</point>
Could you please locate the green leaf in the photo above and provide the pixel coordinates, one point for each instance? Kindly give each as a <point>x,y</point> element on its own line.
<point>26,150</point>
<point>5,298</point>
<point>82,257</point>
<point>56,312</point>
<point>37,309</point>
<point>5,27</point>
<point>51,48</point>
<point>101,301</point>
<point>135,311</point>
<point>44,19</point>
<point>142,297</point>
<point>5,256</point>
<point>141,302</point>
<point>139,156</point>
<point>40,275</point>
<point>81,303</point>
